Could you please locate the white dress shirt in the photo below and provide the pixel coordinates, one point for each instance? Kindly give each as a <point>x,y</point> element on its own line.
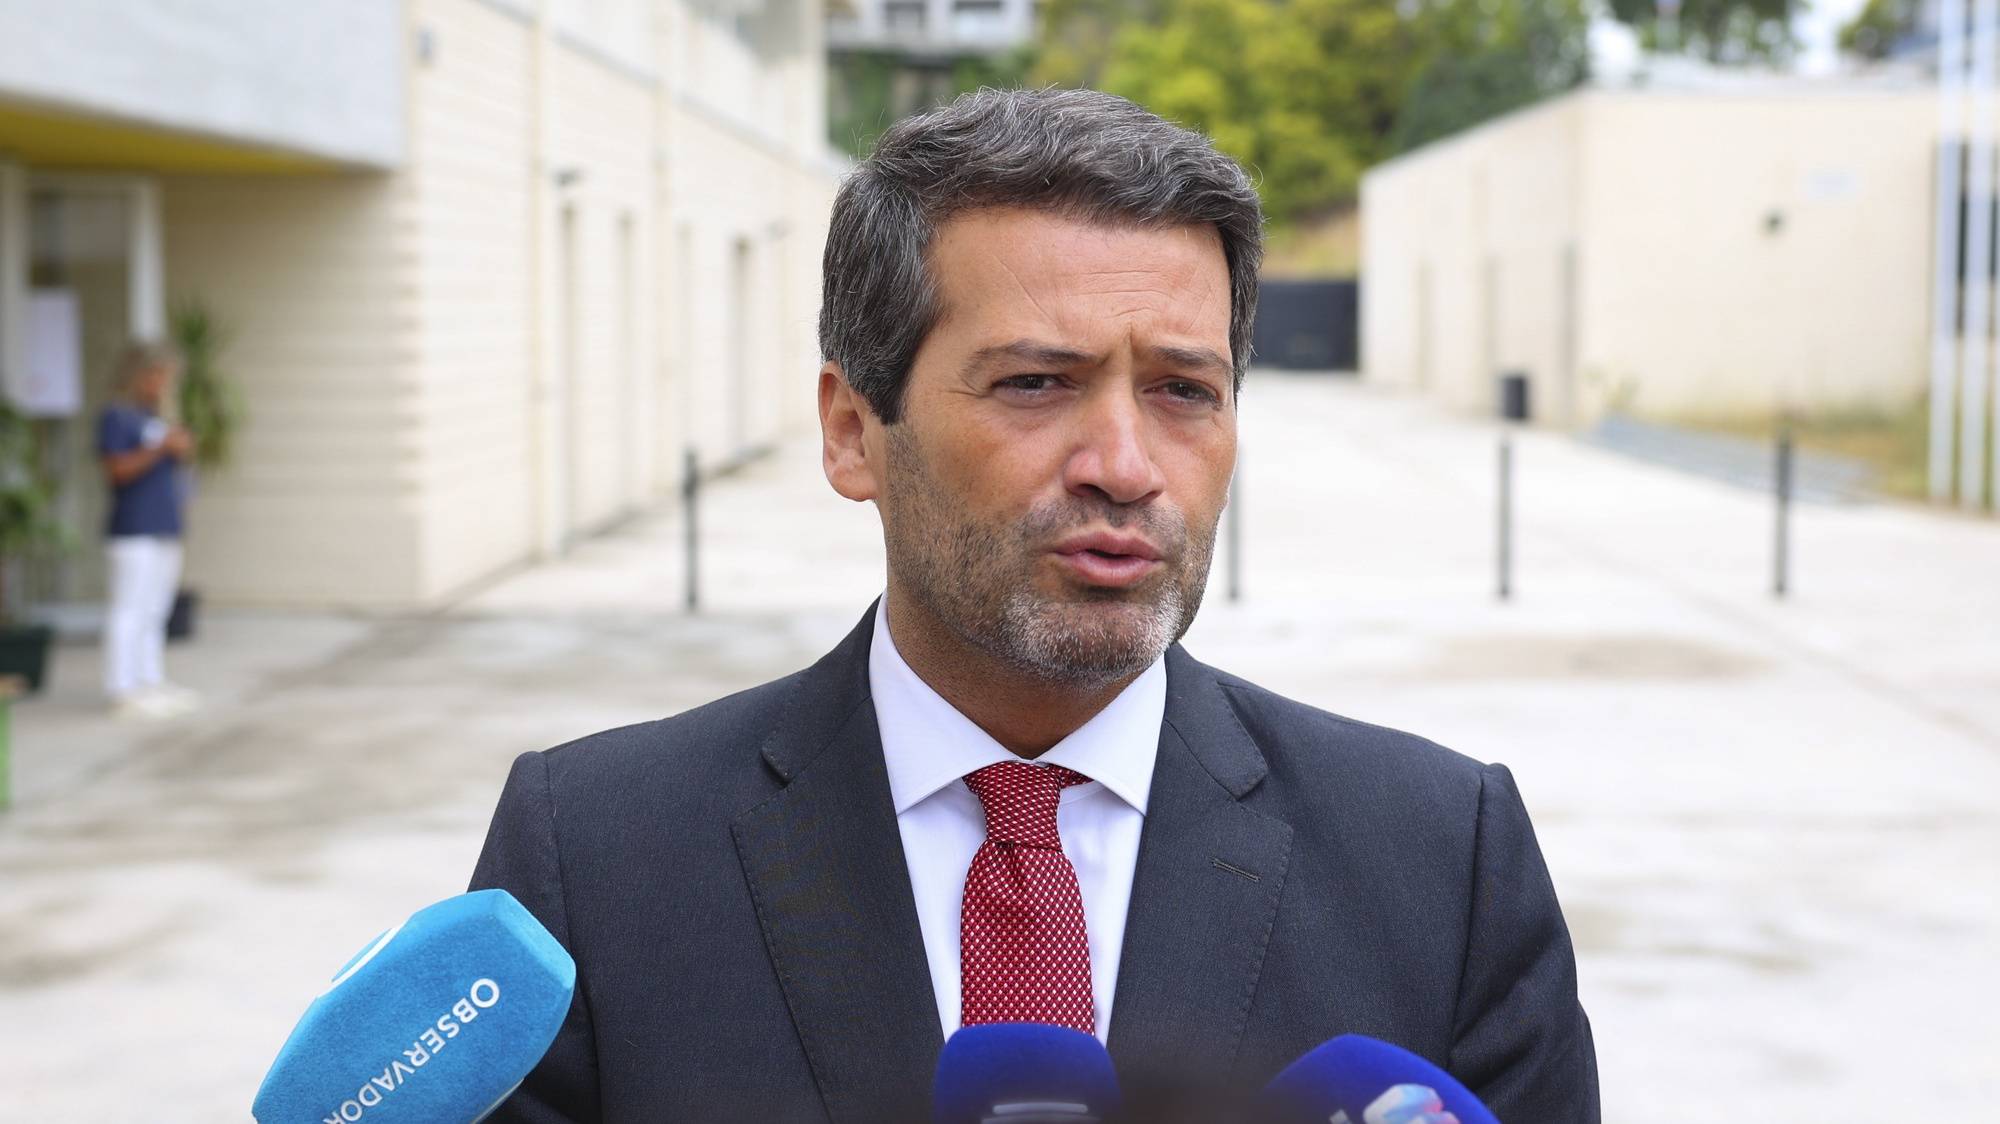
<point>929,747</point>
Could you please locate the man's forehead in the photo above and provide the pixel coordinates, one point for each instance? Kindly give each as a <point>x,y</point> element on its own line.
<point>1037,263</point>
<point>1057,237</point>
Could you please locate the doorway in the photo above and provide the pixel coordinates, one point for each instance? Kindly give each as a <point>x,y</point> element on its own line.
<point>82,262</point>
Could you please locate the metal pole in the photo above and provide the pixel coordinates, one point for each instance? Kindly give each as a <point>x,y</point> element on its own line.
<point>1978,257</point>
<point>1233,516</point>
<point>690,494</point>
<point>1945,250</point>
<point>1782,555</point>
<point>1506,589</point>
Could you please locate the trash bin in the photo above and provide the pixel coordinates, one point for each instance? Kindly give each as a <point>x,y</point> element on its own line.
<point>1514,404</point>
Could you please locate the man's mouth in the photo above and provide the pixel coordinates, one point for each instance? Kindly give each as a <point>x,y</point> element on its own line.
<point>1108,558</point>
<point>1111,544</point>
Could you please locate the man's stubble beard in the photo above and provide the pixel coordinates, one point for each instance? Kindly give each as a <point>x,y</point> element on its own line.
<point>978,580</point>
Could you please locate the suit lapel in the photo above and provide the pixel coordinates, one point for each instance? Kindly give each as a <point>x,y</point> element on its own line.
<point>824,861</point>
<point>1204,895</point>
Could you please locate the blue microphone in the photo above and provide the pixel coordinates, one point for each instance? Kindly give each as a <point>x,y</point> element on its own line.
<point>436,1021</point>
<point>1355,1079</point>
<point>1023,1073</point>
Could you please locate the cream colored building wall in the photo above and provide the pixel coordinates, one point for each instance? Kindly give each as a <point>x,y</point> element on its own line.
<point>1463,259</point>
<point>605,133</point>
<point>441,384</point>
<point>749,187</point>
<point>313,277</point>
<point>1614,245</point>
<point>1693,306</point>
<point>731,204</point>
<point>473,296</point>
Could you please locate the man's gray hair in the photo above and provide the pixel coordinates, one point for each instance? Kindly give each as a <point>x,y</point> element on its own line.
<point>1074,152</point>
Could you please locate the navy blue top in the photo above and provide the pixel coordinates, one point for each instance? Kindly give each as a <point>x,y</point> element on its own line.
<point>150,504</point>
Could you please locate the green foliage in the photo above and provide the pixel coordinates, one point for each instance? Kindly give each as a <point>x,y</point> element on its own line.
<point>1487,65</point>
<point>858,97</point>
<point>1300,91</point>
<point>870,90</point>
<point>1877,27</point>
<point>1718,30</point>
<point>210,405</point>
<point>27,500</point>
<point>1075,38</point>
<point>1309,93</point>
<point>1005,71</point>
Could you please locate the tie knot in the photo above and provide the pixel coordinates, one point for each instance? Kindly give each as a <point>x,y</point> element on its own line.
<point>1020,801</point>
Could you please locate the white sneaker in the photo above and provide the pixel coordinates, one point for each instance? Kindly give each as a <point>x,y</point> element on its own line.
<point>172,697</point>
<point>186,696</point>
<point>143,706</point>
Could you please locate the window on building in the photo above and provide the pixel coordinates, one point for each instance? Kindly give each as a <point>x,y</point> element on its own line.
<point>903,15</point>
<point>978,19</point>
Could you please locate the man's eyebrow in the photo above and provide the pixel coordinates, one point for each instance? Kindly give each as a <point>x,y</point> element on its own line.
<point>1191,358</point>
<point>1028,351</point>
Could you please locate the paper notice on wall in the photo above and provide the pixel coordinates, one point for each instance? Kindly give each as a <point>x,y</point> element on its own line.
<point>50,383</point>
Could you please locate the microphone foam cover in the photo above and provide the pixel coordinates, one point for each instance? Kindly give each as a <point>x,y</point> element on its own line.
<point>1372,1082</point>
<point>1024,1073</point>
<point>437,1021</point>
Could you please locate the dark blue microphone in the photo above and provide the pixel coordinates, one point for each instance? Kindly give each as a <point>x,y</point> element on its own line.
<point>435,1022</point>
<point>1023,1073</point>
<point>1355,1079</point>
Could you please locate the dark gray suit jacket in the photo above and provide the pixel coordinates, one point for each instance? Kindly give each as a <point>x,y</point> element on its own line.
<point>731,882</point>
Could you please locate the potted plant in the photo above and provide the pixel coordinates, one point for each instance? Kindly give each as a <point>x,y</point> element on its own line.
<point>211,407</point>
<point>27,523</point>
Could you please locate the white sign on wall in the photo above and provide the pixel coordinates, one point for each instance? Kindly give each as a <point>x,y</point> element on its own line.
<point>50,382</point>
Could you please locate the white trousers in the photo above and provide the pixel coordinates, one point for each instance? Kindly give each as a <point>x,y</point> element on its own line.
<point>143,571</point>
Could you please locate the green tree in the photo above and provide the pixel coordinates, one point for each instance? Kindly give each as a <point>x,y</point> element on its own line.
<point>867,91</point>
<point>1303,92</point>
<point>1718,30</point>
<point>1309,93</point>
<point>1489,63</point>
<point>211,404</point>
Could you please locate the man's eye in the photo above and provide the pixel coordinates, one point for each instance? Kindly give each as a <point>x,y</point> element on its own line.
<point>1028,382</point>
<point>1191,392</point>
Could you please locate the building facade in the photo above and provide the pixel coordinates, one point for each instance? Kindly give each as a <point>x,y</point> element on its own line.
<point>487,267</point>
<point>930,28</point>
<point>1749,247</point>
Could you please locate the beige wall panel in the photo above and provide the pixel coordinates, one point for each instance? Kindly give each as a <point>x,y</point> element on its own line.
<point>605,133</point>
<point>312,276</point>
<point>470,138</point>
<point>1530,213</point>
<point>1615,244</point>
<point>741,346</point>
<point>1462,246</point>
<point>1695,305</point>
<point>812,202</point>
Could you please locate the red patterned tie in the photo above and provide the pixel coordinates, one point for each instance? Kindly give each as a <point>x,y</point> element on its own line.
<point>1023,954</point>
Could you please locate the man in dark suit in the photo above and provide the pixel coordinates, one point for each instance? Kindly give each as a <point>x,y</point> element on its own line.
<point>1009,794</point>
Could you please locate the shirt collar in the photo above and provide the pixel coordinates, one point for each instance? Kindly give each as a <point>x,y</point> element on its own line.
<point>927,744</point>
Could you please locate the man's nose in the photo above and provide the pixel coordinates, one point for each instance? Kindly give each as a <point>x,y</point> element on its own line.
<point>1112,458</point>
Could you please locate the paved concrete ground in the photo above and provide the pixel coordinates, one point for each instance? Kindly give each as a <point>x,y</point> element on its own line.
<point>1775,827</point>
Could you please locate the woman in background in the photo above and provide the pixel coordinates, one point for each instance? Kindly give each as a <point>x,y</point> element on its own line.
<point>142,455</point>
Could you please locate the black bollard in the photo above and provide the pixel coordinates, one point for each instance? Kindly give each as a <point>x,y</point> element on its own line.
<point>1781,558</point>
<point>690,494</point>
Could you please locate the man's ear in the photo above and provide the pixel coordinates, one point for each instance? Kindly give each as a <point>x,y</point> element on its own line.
<point>844,421</point>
